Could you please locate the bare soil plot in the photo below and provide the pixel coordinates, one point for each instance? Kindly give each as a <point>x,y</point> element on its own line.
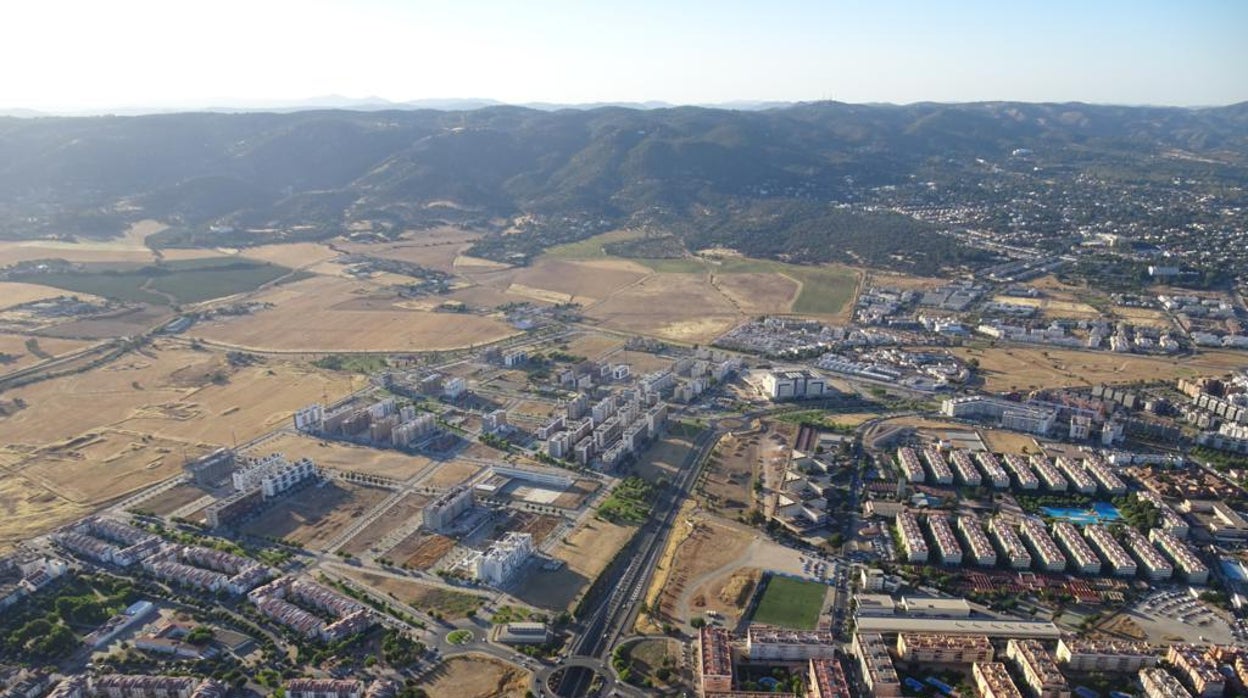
<point>729,594</point>
<point>168,502</point>
<point>1053,307</point>
<point>348,457</point>
<point>450,603</point>
<point>421,551</point>
<point>592,345</point>
<point>681,307</point>
<point>1001,441</point>
<point>106,464</point>
<point>326,314</point>
<point>132,320</point>
<point>477,677</point>
<point>664,458</point>
<point>297,255</point>
<point>400,514</point>
<point>896,280</point>
<point>315,515</point>
<point>574,497</point>
<point>1144,316</point>
<point>451,473</point>
<point>583,282</point>
<point>586,552</point>
<point>1019,368</point>
<point>540,526</point>
<point>730,471</point>
<point>16,293</point>
<point>758,293</point>
<point>710,546</point>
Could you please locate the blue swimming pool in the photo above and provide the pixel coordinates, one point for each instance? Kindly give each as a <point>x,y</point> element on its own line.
<point>1101,512</point>
<point>1234,569</point>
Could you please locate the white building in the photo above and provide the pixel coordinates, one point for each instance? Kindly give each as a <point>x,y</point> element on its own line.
<point>794,385</point>
<point>504,558</point>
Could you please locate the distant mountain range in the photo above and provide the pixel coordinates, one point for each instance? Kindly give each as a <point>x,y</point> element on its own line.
<point>774,181</point>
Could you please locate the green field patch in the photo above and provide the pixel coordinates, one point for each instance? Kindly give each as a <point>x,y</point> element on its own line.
<point>791,603</point>
<point>168,283</point>
<point>592,247</point>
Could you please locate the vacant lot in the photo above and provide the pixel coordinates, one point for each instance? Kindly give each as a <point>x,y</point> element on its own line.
<point>791,603</point>
<point>28,509</point>
<point>477,677</point>
<point>348,457</point>
<point>681,307</point>
<point>730,472</point>
<point>666,457</point>
<point>709,547</point>
<point>325,314</point>
<point>449,603</point>
<point>168,502</point>
<point>315,515</point>
<point>1054,307</point>
<point>586,552</point>
<point>451,473</point>
<point>402,513</point>
<point>1021,368</point>
<point>759,294</point>
<point>421,551</point>
<point>584,282</point>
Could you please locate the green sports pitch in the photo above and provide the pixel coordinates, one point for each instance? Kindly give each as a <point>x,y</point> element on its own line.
<point>791,603</point>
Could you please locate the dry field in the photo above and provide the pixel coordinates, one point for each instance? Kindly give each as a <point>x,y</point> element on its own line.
<point>679,307</point>
<point>297,255</point>
<point>1145,316</point>
<point>451,473</point>
<point>403,512</point>
<point>586,552</point>
<point>132,320</point>
<point>421,551</point>
<point>432,249</point>
<point>347,457</point>
<point>16,293</point>
<point>1021,368</point>
<point>28,509</point>
<point>728,594</point>
<point>664,458</point>
<point>317,514</point>
<point>477,676</point>
<point>14,346</point>
<point>574,497</point>
<point>592,345</point>
<point>759,294</point>
<point>896,280</point>
<point>540,526</point>
<point>1002,441</point>
<point>584,282</point>
<point>104,465</point>
<point>325,314</point>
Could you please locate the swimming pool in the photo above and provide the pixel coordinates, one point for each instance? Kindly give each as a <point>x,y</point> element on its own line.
<point>1101,512</point>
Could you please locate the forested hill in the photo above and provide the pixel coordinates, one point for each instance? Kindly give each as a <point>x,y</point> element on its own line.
<point>795,182</point>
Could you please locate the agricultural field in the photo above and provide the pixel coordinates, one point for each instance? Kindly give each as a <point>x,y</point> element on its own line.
<point>18,351</point>
<point>347,457</point>
<point>647,308</point>
<point>325,314</point>
<point>170,282</point>
<point>17,293</point>
<point>131,247</point>
<point>1024,367</point>
<point>790,603</point>
<point>316,515</point>
<point>298,255</point>
<point>476,676</point>
<point>449,603</point>
<point>28,509</point>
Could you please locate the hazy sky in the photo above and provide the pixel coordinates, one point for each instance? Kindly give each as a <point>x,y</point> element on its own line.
<point>115,53</point>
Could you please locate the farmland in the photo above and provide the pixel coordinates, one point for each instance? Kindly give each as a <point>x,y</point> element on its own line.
<point>326,314</point>
<point>790,603</point>
<point>1020,368</point>
<point>168,283</point>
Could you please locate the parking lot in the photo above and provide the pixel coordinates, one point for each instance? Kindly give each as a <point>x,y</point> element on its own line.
<point>1175,615</point>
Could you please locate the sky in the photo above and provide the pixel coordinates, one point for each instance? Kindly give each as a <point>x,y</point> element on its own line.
<point>89,54</point>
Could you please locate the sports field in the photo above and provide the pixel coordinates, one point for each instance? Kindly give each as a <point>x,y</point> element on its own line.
<point>791,603</point>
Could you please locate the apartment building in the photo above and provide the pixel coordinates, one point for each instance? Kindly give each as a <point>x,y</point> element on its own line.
<point>826,679</point>
<point>441,512</point>
<point>1158,683</point>
<point>1109,482</point>
<point>1170,522</point>
<point>1194,665</point>
<point>878,672</point>
<point>937,466</point>
<point>1080,480</point>
<point>992,680</point>
<point>273,474</point>
<point>497,565</point>
<point>943,649</point>
<point>244,574</point>
<point>1114,656</point>
<point>1045,552</point>
<point>947,548</point>
<point>1186,562</point>
<point>1082,559</point>
<point>1117,561</point>
<point>1151,563</point>
<point>323,688</point>
<point>138,686</point>
<point>911,468</point>
<point>1020,469</point>
<point>772,644</point>
<point>1048,475</point>
<point>965,469</point>
<point>991,465</point>
<point>714,660</point>
<point>978,549</point>
<point>1009,544</point>
<point>1040,673</point>
<point>186,575</point>
<point>912,542</point>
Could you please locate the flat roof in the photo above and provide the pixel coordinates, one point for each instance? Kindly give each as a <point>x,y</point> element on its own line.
<point>958,626</point>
